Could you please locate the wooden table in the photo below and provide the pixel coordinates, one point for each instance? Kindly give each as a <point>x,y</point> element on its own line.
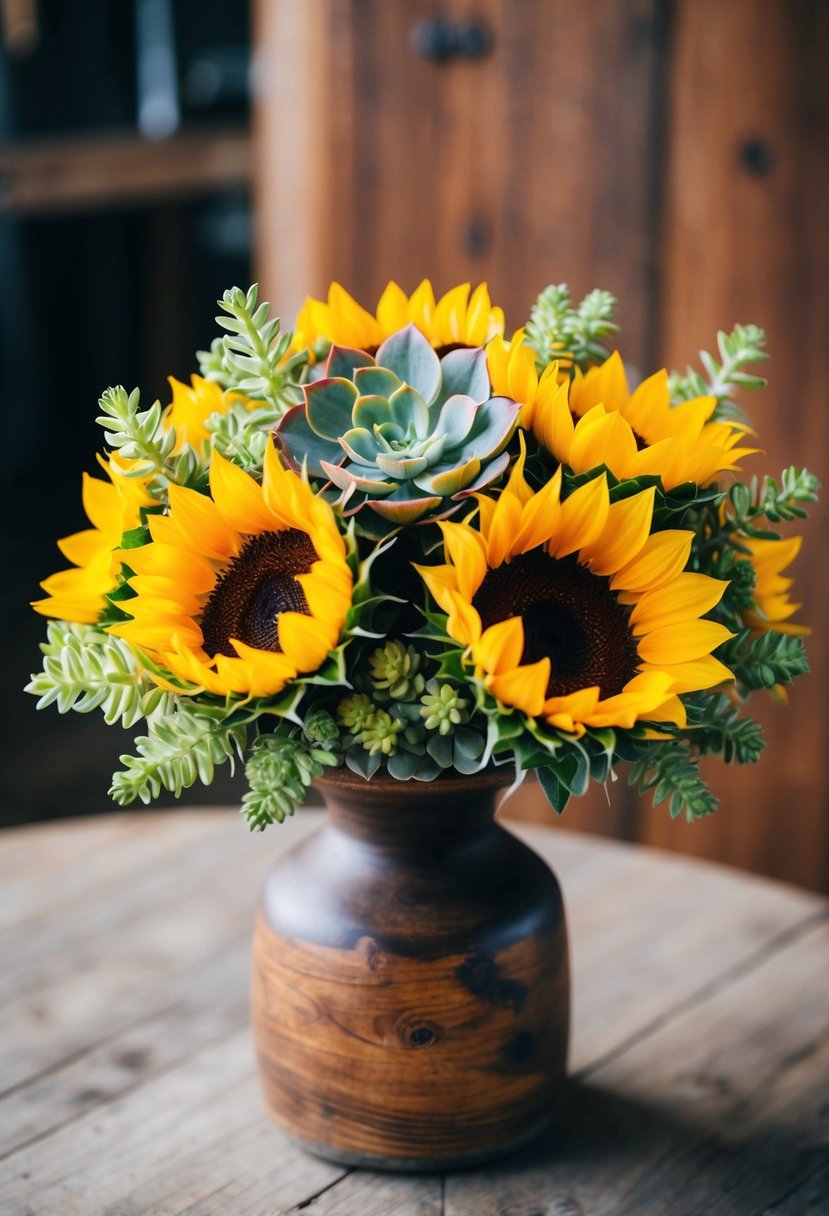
<point>700,1058</point>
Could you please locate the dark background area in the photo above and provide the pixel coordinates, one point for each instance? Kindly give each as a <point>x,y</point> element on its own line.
<point>106,290</point>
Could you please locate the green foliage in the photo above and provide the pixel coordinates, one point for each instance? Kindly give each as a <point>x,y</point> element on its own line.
<point>86,669</point>
<point>715,727</point>
<point>141,435</point>
<point>443,707</point>
<point>764,660</point>
<point>320,727</point>
<point>745,344</point>
<point>279,770</point>
<point>179,749</point>
<point>394,672</point>
<point>253,356</point>
<point>559,330</point>
<point>670,771</point>
<point>380,735</point>
<point>769,500</point>
<point>242,435</point>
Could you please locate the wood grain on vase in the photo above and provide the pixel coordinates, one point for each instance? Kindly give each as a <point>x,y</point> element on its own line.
<point>410,979</point>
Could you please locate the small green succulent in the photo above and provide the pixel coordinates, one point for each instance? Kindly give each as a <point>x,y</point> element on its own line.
<point>406,434</point>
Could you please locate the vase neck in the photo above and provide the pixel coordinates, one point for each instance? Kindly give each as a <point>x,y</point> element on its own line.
<point>406,815</point>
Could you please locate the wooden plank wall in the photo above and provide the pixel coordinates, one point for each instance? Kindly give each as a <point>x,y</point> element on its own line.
<point>673,153</point>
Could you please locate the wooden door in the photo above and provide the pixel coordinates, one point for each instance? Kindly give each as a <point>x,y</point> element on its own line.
<point>674,154</point>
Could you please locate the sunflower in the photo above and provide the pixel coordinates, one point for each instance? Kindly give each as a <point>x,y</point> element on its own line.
<point>599,421</point>
<point>192,405</point>
<point>573,611</point>
<point>771,589</point>
<point>112,507</point>
<point>456,319</point>
<point>240,591</point>
<point>513,373</point>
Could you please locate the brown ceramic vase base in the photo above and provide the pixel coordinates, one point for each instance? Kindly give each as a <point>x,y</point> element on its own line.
<point>410,993</point>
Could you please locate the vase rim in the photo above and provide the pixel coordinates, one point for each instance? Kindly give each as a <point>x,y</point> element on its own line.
<point>346,779</point>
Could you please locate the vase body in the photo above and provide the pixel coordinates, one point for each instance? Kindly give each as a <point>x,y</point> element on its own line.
<point>410,993</point>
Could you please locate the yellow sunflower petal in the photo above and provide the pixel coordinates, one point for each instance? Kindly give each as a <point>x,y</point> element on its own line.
<point>539,517</point>
<point>660,560</point>
<point>464,549</point>
<point>524,688</point>
<point>628,524</point>
<point>450,313</point>
<point>552,421</point>
<point>463,621</point>
<point>685,597</point>
<point>393,309</point>
<point>696,674</point>
<point>200,525</point>
<point>602,438</point>
<point>356,326</point>
<point>304,640</point>
<point>606,385</point>
<point>239,498</point>
<point>441,582</point>
<point>582,519</point>
<point>82,547</point>
<point>500,647</point>
<point>422,307</point>
<point>504,526</point>
<point>476,329</point>
<point>679,643</point>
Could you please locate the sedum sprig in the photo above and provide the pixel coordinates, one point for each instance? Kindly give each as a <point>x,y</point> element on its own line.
<point>776,502</point>
<point>279,770</point>
<point>559,330</point>
<point>179,749</point>
<point>252,357</point>
<point>745,344</point>
<point>85,669</point>
<point>141,436</point>
<point>242,435</point>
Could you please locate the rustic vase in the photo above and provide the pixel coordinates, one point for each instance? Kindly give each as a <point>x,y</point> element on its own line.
<point>410,992</point>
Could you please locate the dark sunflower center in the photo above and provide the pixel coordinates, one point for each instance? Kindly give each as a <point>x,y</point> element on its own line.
<point>255,588</point>
<point>570,616</point>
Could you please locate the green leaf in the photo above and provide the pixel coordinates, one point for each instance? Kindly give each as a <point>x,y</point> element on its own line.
<point>344,361</point>
<point>302,446</point>
<point>409,355</point>
<point>556,793</point>
<point>328,407</point>
<point>134,538</point>
<point>670,772</point>
<point>464,373</point>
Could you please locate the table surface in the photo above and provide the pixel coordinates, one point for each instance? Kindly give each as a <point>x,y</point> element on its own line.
<point>699,1064</point>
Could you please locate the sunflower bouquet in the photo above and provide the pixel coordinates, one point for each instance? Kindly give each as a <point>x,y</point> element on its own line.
<point>404,543</point>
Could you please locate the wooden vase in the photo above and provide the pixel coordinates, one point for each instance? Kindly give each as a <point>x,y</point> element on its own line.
<point>410,994</point>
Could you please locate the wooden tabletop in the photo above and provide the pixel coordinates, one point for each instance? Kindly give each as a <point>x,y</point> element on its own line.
<point>700,1058</point>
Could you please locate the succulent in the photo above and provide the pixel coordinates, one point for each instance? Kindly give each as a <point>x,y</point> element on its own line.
<point>405,433</point>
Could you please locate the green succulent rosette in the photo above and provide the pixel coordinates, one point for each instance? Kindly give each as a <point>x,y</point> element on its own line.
<point>404,434</point>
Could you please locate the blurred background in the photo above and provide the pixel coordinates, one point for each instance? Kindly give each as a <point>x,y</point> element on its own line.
<point>154,152</point>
